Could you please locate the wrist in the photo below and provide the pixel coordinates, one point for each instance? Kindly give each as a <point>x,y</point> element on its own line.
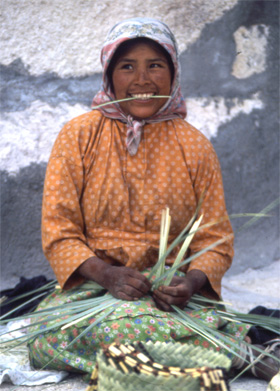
<point>197,279</point>
<point>97,270</point>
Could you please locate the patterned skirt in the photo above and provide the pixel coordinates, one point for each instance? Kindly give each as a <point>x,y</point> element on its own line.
<point>129,322</point>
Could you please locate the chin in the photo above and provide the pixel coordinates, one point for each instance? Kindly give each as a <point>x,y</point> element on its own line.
<point>142,114</point>
<point>146,111</point>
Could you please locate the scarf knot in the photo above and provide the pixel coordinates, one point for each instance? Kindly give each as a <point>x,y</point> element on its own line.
<point>133,136</point>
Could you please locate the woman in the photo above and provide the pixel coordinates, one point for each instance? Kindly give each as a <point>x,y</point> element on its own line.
<point>111,173</point>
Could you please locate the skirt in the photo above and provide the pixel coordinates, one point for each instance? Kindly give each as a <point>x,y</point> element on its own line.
<point>129,322</point>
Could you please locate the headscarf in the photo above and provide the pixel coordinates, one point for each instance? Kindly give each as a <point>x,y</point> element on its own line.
<point>173,108</point>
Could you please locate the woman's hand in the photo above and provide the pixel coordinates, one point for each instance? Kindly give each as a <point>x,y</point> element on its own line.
<point>179,291</point>
<point>122,282</point>
<point>126,283</point>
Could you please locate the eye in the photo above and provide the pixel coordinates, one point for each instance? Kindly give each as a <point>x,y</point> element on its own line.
<point>156,65</point>
<point>127,66</point>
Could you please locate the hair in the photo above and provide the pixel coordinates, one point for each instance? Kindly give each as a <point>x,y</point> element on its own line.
<point>127,45</point>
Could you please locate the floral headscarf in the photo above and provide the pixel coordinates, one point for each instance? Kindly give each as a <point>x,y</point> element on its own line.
<point>174,107</point>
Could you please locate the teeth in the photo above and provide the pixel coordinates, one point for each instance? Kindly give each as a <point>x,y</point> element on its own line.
<point>142,96</point>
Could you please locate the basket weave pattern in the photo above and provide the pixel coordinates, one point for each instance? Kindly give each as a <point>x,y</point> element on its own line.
<point>169,354</point>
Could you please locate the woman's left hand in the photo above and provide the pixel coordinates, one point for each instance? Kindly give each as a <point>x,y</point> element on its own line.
<point>179,291</point>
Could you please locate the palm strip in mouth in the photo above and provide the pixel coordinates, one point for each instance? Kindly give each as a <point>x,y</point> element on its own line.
<point>132,98</point>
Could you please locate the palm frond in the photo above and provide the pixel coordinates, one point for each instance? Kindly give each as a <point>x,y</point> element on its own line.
<point>128,99</point>
<point>254,218</point>
<point>257,216</point>
<point>164,234</point>
<point>175,242</point>
<point>36,294</point>
<point>192,257</point>
<point>183,249</point>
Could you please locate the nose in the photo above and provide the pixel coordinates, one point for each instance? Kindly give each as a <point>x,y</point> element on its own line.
<point>142,76</point>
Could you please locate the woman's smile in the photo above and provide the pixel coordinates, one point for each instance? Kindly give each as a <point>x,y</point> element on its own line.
<point>142,96</point>
<point>142,72</point>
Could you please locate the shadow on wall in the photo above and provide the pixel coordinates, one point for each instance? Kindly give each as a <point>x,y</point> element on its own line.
<point>20,88</point>
<point>21,251</point>
<point>247,145</point>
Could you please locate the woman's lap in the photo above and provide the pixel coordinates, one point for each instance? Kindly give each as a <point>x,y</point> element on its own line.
<point>129,322</point>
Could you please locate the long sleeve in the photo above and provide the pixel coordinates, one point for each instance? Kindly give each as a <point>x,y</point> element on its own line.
<point>63,230</point>
<point>207,183</point>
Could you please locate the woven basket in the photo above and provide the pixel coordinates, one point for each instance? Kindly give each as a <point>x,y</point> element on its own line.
<point>170,354</point>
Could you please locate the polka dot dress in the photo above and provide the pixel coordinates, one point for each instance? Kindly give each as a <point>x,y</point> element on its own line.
<point>99,200</point>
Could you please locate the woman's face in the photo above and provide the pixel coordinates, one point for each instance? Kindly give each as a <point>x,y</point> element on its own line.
<point>142,71</point>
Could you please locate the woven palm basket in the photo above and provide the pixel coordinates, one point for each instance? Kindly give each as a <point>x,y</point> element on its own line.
<point>167,354</point>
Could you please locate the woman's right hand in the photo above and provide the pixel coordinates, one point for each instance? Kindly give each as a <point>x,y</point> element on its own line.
<point>126,283</point>
<point>122,282</point>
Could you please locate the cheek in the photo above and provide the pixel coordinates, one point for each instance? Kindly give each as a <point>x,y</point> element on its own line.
<point>120,85</point>
<point>163,82</point>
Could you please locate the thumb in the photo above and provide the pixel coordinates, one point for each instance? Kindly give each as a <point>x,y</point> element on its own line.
<point>174,282</point>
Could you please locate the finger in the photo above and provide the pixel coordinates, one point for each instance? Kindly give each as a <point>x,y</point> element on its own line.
<point>128,282</point>
<point>136,280</point>
<point>171,300</point>
<point>167,306</point>
<point>176,281</point>
<point>126,293</point>
<point>139,277</point>
<point>126,279</point>
<point>169,291</point>
<point>162,305</point>
<point>178,290</point>
<point>140,285</point>
<point>123,296</point>
<point>130,291</point>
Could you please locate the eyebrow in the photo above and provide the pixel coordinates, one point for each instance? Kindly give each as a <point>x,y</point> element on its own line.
<point>125,59</point>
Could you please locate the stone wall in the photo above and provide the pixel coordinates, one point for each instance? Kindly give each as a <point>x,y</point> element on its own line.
<point>230,77</point>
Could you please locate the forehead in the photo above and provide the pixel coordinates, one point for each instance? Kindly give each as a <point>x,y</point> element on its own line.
<point>140,48</point>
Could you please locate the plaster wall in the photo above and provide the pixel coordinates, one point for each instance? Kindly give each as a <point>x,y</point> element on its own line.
<point>230,77</point>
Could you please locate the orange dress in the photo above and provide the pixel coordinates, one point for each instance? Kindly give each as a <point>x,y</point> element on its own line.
<point>99,200</point>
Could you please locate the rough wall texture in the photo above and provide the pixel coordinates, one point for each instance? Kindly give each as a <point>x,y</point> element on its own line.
<point>65,36</point>
<point>50,71</point>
